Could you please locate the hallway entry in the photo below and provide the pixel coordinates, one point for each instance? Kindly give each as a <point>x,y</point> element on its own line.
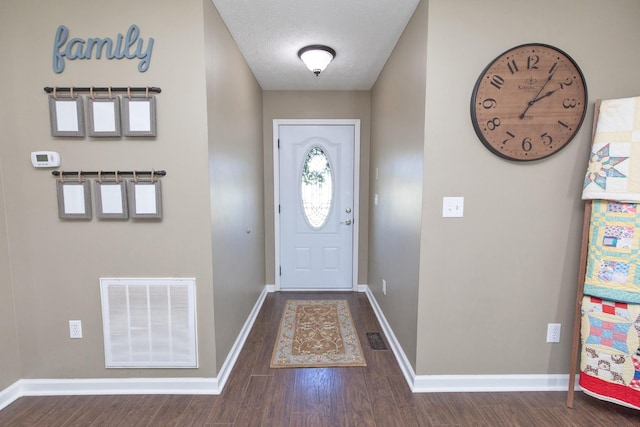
<point>315,195</point>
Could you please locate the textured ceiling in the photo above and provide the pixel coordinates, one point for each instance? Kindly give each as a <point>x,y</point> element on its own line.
<point>269,34</point>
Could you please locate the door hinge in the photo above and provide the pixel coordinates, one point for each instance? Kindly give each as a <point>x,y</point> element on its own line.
<point>281,270</point>
<point>278,143</point>
<point>279,211</point>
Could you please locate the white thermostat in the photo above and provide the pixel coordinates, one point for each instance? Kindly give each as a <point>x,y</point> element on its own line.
<point>45,159</point>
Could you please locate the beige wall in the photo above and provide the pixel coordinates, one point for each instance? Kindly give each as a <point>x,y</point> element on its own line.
<point>397,139</point>
<point>316,105</point>
<point>234,101</point>
<point>9,356</point>
<point>56,264</point>
<point>491,281</point>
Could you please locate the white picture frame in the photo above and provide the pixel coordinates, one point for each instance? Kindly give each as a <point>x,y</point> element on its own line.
<point>74,199</point>
<point>139,116</point>
<point>104,117</point>
<point>145,199</point>
<point>111,199</point>
<point>66,116</point>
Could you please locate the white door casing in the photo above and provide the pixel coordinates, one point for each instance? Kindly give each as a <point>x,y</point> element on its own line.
<point>319,255</point>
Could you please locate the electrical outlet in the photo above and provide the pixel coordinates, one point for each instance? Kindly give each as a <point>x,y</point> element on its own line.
<point>553,332</point>
<point>75,329</point>
<point>384,287</point>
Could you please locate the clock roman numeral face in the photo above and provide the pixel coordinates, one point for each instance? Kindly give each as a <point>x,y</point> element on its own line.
<point>529,102</point>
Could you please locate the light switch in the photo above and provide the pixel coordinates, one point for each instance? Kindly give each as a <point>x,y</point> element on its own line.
<point>452,207</point>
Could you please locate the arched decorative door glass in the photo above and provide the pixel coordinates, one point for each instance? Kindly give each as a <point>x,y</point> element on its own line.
<point>316,187</point>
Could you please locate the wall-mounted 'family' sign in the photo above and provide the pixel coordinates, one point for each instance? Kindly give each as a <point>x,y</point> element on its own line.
<point>129,46</point>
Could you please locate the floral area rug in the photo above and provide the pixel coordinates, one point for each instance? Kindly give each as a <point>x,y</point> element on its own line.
<point>317,333</point>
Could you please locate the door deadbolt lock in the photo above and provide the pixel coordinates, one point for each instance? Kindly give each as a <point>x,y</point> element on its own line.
<point>348,210</point>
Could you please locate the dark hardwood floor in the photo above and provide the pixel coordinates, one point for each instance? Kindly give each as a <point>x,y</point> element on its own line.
<point>375,395</point>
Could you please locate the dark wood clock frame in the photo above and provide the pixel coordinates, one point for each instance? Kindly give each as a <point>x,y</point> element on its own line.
<point>529,102</point>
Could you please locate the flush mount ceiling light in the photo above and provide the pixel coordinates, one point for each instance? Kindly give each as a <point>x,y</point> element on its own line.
<point>316,57</point>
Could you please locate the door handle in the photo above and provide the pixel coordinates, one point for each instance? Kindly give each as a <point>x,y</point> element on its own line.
<point>347,222</point>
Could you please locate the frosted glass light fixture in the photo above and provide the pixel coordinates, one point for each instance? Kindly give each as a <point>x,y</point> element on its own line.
<point>316,57</point>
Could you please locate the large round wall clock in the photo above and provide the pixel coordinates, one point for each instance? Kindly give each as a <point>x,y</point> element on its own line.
<point>529,102</point>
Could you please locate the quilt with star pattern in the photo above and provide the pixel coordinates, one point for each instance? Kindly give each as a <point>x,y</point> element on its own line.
<point>613,172</point>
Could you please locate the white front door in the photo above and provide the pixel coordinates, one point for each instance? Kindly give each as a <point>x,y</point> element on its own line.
<point>316,206</point>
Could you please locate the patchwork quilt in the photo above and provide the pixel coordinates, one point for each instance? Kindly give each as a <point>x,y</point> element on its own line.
<point>613,172</point>
<point>613,260</point>
<point>610,359</point>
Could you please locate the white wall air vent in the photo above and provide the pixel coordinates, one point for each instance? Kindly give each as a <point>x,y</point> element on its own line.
<point>149,323</point>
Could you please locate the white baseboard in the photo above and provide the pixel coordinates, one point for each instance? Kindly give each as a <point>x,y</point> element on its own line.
<point>9,394</point>
<point>232,357</point>
<point>97,386</point>
<point>401,357</point>
<point>465,383</point>
<point>491,383</point>
<point>63,387</point>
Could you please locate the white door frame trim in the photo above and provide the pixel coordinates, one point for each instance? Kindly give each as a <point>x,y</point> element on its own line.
<point>356,190</point>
